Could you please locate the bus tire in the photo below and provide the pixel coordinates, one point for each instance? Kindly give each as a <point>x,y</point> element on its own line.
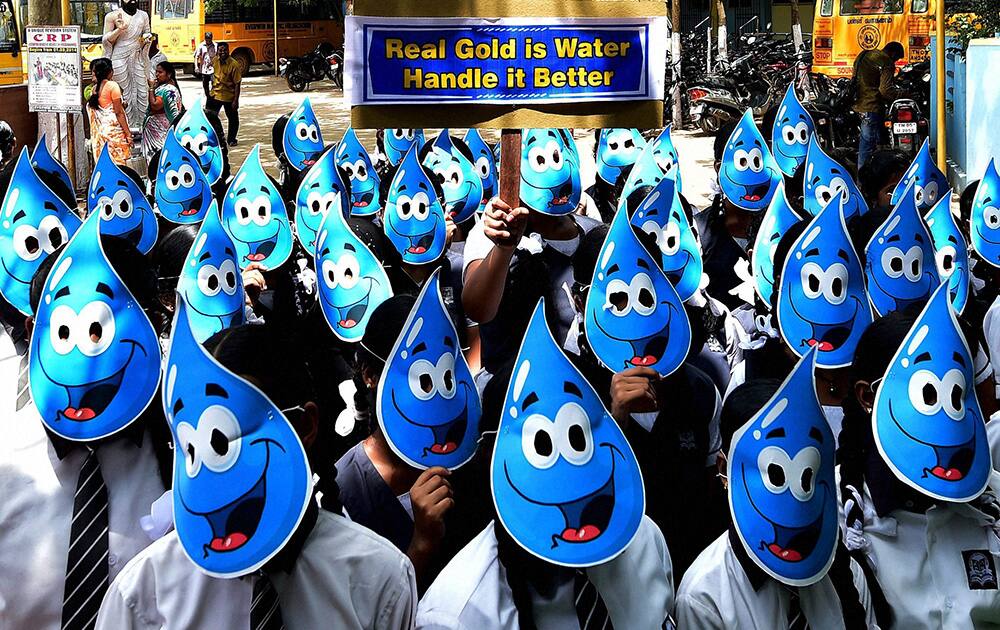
<point>244,58</point>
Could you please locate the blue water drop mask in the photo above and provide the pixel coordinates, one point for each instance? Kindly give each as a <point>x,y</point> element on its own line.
<point>351,281</point>
<point>397,142</point>
<point>782,487</point>
<point>125,211</point>
<point>254,215</point>
<point>661,216</point>
<point>793,126</point>
<point>825,180</point>
<point>927,422</point>
<point>211,282</point>
<point>929,183</point>
<point>899,257</point>
<point>323,189</point>
<point>43,160</point>
<point>950,251</point>
<point>427,404</point>
<point>94,358</point>
<point>657,160</point>
<point>354,159</point>
<point>633,316</point>
<point>617,151</point>
<point>748,174</point>
<point>460,181</point>
<point>241,481</point>
<point>486,166</point>
<point>778,219</point>
<point>34,222</point>
<point>196,134</point>
<point>822,301</point>
<point>566,484</point>
<point>984,222</point>
<point>414,219</point>
<point>183,192</point>
<point>302,139</point>
<point>550,180</point>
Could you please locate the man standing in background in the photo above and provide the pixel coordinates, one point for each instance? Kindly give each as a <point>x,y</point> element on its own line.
<point>226,78</point>
<point>874,71</point>
<point>204,58</point>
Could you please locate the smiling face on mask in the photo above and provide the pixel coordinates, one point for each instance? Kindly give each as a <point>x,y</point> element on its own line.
<point>183,192</point>
<point>748,174</point>
<point>254,215</point>
<point>898,258</point>
<point>782,491</point>
<point>617,151</point>
<point>550,175</point>
<point>414,219</point>
<point>322,189</point>
<point>950,251</point>
<point>197,135</point>
<point>566,484</point>
<point>34,223</point>
<point>354,159</point>
<point>302,139</point>
<point>826,180</point>
<point>94,358</point>
<point>485,166</point>
<point>927,421</point>
<point>460,183</point>
<point>928,182</point>
<point>984,222</point>
<point>793,126</point>
<point>125,211</point>
<point>778,219</point>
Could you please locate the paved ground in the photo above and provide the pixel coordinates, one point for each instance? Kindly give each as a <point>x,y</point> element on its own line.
<point>264,98</point>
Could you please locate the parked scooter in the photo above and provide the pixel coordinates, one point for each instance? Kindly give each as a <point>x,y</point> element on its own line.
<point>906,120</point>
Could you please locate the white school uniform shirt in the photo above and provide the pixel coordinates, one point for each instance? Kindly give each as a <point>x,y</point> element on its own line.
<point>346,576</point>
<point>716,593</point>
<point>471,592</point>
<point>36,513</point>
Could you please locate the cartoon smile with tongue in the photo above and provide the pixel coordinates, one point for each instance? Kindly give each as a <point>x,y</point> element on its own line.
<point>782,492</point>
<point>254,215</point>
<point>427,403</point>
<point>353,157</point>
<point>461,185</point>
<point>94,359</point>
<point>566,484</point>
<point>550,174</point>
<point>748,175</point>
<point>125,211</point>
<point>414,218</point>
<point>183,192</point>
<point>633,316</point>
<point>821,291</point>
<point>241,481</point>
<point>927,422</point>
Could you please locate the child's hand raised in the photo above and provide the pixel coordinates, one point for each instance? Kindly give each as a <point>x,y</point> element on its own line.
<point>503,225</point>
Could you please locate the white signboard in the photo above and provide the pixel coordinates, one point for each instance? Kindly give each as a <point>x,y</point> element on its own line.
<point>55,70</point>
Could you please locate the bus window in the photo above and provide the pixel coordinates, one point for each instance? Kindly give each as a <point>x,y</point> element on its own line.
<point>918,6</point>
<point>175,9</point>
<point>826,8</point>
<point>870,7</point>
<point>89,14</point>
<point>9,37</point>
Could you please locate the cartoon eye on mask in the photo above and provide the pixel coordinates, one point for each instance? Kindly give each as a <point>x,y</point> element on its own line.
<point>414,219</point>
<point>397,142</point>
<point>427,403</point>
<point>94,358</point>
<point>778,219</point>
<point>241,481</point>
<point>950,251</point>
<point>43,160</point>
<point>927,422</point>
<point>254,215</point>
<point>354,159</point>
<point>351,280</point>
<point>633,316</point>
<point>34,223</point>
<point>661,216</point>
<point>793,126</point>
<point>782,491</point>
<point>550,181</point>
<point>323,188</point>
<point>748,174</point>
<point>929,183</point>
<point>657,160</point>
<point>566,484</point>
<point>302,139</point>
<point>196,134</point>
<point>210,280</point>
<point>617,151</point>
<point>485,165</point>
<point>459,178</point>
<point>826,180</point>
<point>183,192</point>
<point>821,291</point>
<point>984,222</point>
<point>898,259</point>
<point>125,211</point>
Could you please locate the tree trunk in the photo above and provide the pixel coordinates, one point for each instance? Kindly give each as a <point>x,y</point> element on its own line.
<point>796,26</point>
<point>44,13</point>
<point>723,42</point>
<point>675,57</point>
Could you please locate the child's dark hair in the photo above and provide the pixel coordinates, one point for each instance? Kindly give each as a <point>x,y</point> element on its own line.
<point>741,404</point>
<point>169,256</point>
<point>102,69</point>
<point>881,168</point>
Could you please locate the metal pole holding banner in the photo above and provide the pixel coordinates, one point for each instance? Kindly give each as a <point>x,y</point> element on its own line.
<point>71,147</point>
<point>275,38</point>
<point>939,92</point>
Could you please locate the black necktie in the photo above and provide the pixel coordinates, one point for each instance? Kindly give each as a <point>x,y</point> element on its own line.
<point>590,608</point>
<point>796,618</point>
<point>265,613</point>
<point>87,560</point>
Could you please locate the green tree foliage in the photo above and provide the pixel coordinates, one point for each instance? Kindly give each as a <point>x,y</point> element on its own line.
<point>972,19</point>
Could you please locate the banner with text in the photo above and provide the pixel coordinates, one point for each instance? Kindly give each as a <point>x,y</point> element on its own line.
<point>509,61</point>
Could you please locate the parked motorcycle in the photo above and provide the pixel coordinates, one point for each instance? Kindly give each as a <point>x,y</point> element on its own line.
<point>906,121</point>
<point>325,62</point>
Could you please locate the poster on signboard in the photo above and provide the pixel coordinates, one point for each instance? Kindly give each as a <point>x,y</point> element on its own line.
<point>54,69</point>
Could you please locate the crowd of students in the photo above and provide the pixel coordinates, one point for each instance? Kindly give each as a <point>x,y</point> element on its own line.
<point>369,393</point>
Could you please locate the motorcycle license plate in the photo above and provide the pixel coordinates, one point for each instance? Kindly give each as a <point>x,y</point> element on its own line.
<point>904,127</point>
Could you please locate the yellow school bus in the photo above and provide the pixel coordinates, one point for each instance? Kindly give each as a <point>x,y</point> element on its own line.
<point>844,28</point>
<point>249,29</point>
<point>10,44</point>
